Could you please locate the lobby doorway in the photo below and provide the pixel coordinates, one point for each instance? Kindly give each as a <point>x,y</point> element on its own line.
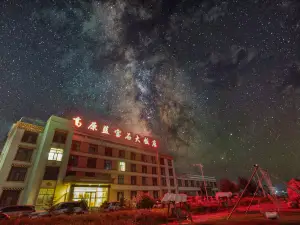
<point>94,196</point>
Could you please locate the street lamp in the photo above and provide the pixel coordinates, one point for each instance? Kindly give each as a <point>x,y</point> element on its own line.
<point>201,168</point>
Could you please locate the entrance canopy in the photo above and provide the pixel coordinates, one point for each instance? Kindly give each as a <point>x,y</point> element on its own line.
<point>100,179</point>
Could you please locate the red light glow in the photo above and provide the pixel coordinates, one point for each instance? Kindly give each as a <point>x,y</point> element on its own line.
<point>77,121</point>
<point>117,133</point>
<point>93,126</point>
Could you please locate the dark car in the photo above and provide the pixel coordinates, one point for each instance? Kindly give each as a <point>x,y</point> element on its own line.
<point>78,207</point>
<point>4,216</point>
<point>18,210</point>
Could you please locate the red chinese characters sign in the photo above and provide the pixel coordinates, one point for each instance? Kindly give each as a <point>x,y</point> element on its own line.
<point>117,133</point>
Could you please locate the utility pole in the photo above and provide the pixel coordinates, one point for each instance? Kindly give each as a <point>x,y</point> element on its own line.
<point>201,168</point>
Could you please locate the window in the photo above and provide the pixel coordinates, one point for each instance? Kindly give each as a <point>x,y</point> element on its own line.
<point>163,181</point>
<point>51,173</point>
<point>24,154</point>
<point>153,170</point>
<point>133,194</point>
<point>144,169</point>
<point>76,145</point>
<point>90,174</point>
<point>133,180</point>
<point>162,161</point>
<point>121,154</point>
<point>132,156</point>
<point>121,179</point>
<point>143,158</point>
<point>30,137</point>
<point>73,160</point>
<point>186,183</point>
<point>60,137</point>
<point>169,162</point>
<point>144,180</point>
<point>91,163</point>
<point>120,195</point>
<point>133,167</point>
<point>122,166</point>
<point>107,164</point>
<point>93,149</point>
<point>172,182</point>
<point>154,181</point>
<point>162,171</point>
<point>9,197</point>
<point>155,195</point>
<point>55,154</point>
<point>179,183</point>
<point>153,159</point>
<point>198,183</point>
<point>192,183</point>
<point>45,197</point>
<point>170,172</point>
<point>17,174</point>
<point>108,151</point>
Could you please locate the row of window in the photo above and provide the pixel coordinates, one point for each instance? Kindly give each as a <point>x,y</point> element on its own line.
<point>133,194</point>
<point>145,181</point>
<point>93,149</point>
<point>92,163</point>
<point>19,173</point>
<point>133,179</point>
<point>193,183</point>
<point>51,173</point>
<point>25,154</point>
<point>58,137</point>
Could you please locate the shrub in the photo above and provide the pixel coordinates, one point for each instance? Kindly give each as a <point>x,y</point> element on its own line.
<point>133,217</point>
<point>145,202</point>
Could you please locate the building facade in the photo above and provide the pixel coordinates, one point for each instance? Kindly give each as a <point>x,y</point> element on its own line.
<point>68,160</point>
<point>193,185</point>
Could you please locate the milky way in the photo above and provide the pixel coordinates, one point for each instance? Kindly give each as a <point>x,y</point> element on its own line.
<point>217,80</point>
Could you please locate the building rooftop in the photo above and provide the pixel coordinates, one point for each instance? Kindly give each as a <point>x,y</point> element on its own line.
<point>33,121</point>
<point>194,176</point>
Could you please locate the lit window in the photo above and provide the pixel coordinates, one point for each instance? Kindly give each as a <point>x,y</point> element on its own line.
<point>55,154</point>
<point>122,166</point>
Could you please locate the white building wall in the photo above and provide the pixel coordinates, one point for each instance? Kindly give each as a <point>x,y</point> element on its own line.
<point>41,160</point>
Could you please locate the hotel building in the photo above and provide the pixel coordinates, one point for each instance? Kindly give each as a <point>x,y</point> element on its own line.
<point>68,160</point>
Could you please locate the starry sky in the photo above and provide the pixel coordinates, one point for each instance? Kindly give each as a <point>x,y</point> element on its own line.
<point>217,80</point>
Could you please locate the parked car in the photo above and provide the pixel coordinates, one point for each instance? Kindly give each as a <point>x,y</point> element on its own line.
<point>79,207</point>
<point>18,210</point>
<point>112,206</point>
<point>4,216</point>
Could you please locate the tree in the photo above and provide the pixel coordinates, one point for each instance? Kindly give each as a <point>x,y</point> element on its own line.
<point>243,183</point>
<point>227,186</point>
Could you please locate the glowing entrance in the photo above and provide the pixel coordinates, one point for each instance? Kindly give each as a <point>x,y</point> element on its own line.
<point>94,196</point>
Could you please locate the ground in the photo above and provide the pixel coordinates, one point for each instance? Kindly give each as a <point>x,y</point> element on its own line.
<point>286,218</point>
<point>253,217</point>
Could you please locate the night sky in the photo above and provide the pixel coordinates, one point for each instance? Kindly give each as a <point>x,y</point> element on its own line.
<point>218,80</point>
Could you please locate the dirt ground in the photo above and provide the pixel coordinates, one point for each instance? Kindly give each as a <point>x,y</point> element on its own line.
<point>285,218</point>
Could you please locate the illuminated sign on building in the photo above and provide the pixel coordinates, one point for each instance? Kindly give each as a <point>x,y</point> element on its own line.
<point>118,133</point>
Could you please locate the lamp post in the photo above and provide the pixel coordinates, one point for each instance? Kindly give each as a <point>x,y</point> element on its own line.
<point>201,168</point>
